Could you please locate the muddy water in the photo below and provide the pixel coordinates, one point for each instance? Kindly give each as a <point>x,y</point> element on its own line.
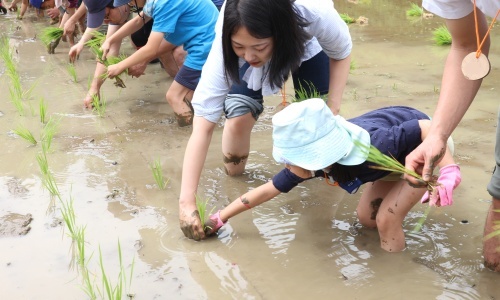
<point>303,244</point>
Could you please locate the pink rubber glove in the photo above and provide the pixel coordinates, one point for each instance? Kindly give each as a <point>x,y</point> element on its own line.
<point>213,224</point>
<point>449,179</point>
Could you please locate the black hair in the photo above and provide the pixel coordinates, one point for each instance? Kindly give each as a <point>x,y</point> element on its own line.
<point>276,19</point>
<point>344,174</point>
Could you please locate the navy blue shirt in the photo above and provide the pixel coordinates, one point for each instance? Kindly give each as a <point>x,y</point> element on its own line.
<point>393,130</point>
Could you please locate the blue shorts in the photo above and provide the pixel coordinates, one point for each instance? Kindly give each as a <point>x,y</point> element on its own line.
<point>313,74</point>
<point>188,77</point>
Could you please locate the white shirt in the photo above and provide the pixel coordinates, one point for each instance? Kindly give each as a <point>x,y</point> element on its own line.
<point>330,34</point>
<point>456,9</point>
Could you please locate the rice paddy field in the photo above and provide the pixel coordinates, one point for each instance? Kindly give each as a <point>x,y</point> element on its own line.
<point>88,199</point>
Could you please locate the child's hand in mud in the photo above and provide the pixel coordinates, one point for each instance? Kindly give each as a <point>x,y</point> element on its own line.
<point>213,224</point>
<point>74,52</point>
<point>190,222</point>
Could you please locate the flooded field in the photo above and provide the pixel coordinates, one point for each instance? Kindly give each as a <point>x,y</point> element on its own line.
<point>304,244</point>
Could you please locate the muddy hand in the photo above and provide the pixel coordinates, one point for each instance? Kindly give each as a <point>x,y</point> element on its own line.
<point>190,223</point>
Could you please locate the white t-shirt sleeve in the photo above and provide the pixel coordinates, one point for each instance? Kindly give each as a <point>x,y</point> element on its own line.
<point>327,27</point>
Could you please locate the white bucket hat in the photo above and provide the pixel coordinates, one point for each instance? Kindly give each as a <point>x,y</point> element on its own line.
<point>308,135</point>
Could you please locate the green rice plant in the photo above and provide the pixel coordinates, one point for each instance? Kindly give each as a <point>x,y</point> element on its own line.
<point>442,36</point>
<point>48,180</point>
<point>97,40</point>
<point>347,18</point>
<point>303,93</point>
<point>496,230</point>
<point>88,284</point>
<point>43,110</point>
<point>158,174</point>
<point>352,65</point>
<point>422,219</point>
<point>72,71</point>
<point>110,60</point>
<point>50,34</point>
<point>48,133</point>
<point>24,133</point>
<point>201,205</point>
<point>384,162</point>
<point>99,105</point>
<point>115,292</point>
<point>414,10</point>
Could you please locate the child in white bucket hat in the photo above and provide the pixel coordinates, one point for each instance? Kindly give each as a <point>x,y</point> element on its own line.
<point>312,142</point>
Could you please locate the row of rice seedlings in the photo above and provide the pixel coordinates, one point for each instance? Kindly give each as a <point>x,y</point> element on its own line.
<point>348,19</point>
<point>99,105</point>
<point>72,72</point>
<point>158,174</point>
<point>414,11</point>
<point>15,89</point>
<point>201,205</point>
<point>442,36</point>
<point>115,292</point>
<point>25,133</point>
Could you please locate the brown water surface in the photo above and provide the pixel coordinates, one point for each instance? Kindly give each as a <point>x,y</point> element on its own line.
<point>303,244</point>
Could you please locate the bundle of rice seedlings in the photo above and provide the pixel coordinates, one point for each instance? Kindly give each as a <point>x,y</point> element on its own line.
<point>442,36</point>
<point>347,19</point>
<point>110,60</point>
<point>97,40</point>
<point>415,11</point>
<point>50,34</point>
<point>390,164</point>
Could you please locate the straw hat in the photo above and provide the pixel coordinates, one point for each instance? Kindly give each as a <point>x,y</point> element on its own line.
<point>308,135</point>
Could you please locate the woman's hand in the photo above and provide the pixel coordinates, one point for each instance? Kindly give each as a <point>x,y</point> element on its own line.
<point>105,48</point>
<point>189,219</point>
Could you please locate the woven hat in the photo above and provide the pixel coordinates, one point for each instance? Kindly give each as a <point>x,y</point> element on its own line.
<point>308,135</point>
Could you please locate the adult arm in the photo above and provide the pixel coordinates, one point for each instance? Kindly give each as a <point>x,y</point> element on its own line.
<point>456,95</point>
<point>194,159</point>
<point>339,71</point>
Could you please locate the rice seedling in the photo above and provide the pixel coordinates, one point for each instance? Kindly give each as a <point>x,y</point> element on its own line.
<point>72,72</point>
<point>117,291</point>
<point>441,36</point>
<point>347,18</point>
<point>421,221</point>
<point>43,110</point>
<point>414,11</point>
<point>24,133</point>
<point>48,133</point>
<point>201,205</point>
<point>99,105</point>
<point>386,163</point>
<point>97,40</point>
<point>158,174</point>
<point>352,65</point>
<point>88,285</point>
<point>50,34</point>
<point>496,230</point>
<point>307,92</point>
<point>48,180</point>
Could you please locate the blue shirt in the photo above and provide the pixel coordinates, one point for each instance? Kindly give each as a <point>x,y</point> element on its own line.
<point>190,23</point>
<point>393,130</point>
